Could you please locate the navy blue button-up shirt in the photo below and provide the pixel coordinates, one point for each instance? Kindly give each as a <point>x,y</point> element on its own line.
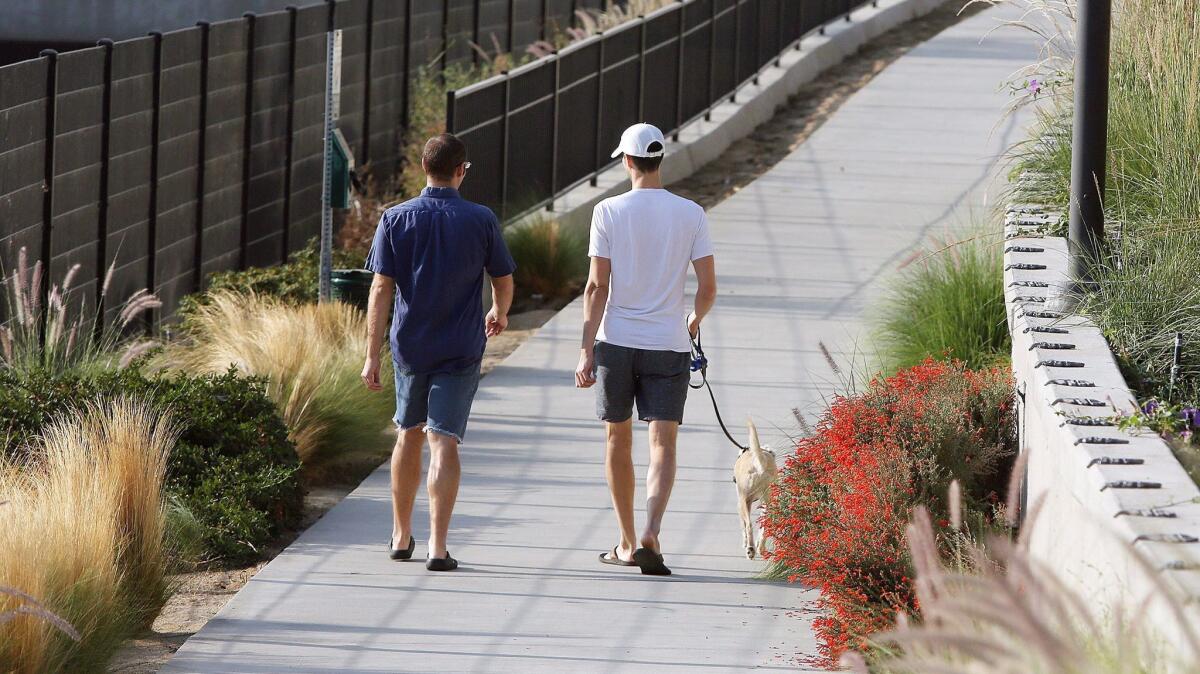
<point>436,247</point>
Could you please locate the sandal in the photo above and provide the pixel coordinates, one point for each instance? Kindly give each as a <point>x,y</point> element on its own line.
<point>402,554</point>
<point>650,562</point>
<point>615,560</point>
<point>446,563</point>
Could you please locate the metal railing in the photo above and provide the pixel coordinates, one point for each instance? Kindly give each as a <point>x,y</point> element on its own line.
<point>547,126</point>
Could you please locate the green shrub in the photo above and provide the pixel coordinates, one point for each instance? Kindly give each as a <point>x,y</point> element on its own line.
<point>296,282</point>
<point>234,468</point>
<point>551,262</point>
<point>948,303</point>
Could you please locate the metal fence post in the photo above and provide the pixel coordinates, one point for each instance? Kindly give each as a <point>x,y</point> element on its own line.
<point>105,150</point>
<point>596,152</point>
<point>1089,143</point>
<point>247,138</point>
<point>202,132</point>
<point>679,75</point>
<point>554,127</point>
<point>366,110</point>
<point>406,82</point>
<point>155,132</point>
<point>291,127</point>
<point>737,49</point>
<point>779,33</point>
<point>504,147</point>
<point>511,25</point>
<point>475,32</point>
<point>641,88</point>
<point>712,58</point>
<point>51,56</point>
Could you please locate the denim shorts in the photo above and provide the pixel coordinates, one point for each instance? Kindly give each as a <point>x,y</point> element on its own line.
<point>440,401</point>
<point>656,380</point>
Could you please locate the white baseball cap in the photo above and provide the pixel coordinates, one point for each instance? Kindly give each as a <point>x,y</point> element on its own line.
<point>638,139</point>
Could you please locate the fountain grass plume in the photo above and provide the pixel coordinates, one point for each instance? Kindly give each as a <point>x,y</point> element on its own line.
<point>65,332</point>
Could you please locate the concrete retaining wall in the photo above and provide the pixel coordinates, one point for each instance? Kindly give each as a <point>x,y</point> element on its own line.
<point>1097,492</point>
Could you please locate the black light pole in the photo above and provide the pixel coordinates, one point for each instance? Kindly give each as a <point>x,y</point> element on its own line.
<point>1089,142</point>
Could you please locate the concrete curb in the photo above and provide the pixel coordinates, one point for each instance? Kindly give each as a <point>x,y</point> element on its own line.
<point>703,141</point>
<point>1098,491</point>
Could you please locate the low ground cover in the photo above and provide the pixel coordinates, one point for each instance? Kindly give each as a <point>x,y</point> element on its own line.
<point>233,469</point>
<point>838,512</point>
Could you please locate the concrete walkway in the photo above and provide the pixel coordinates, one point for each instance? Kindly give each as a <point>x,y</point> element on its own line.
<point>800,252</point>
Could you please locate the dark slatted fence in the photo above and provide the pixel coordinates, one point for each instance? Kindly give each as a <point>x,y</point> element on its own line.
<point>549,125</point>
<point>198,150</point>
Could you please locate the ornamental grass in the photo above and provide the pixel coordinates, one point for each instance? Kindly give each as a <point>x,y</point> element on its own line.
<point>311,356</point>
<point>1015,615</point>
<point>82,537</point>
<point>838,512</point>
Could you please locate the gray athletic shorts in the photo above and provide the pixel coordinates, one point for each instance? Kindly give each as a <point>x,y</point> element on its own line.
<point>657,380</point>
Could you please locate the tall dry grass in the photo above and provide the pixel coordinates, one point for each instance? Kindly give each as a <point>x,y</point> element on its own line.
<point>82,534</point>
<point>311,356</point>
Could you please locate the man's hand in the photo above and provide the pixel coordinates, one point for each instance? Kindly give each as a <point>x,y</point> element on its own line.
<point>370,374</point>
<point>693,322</point>
<point>585,374</point>
<point>496,323</point>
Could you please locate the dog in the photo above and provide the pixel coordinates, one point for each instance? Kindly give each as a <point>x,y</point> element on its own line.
<point>754,472</point>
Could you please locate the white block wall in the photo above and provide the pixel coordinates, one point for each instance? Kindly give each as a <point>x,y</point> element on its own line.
<point>1094,502</point>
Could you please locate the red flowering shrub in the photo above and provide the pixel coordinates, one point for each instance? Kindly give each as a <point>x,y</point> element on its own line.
<point>839,509</point>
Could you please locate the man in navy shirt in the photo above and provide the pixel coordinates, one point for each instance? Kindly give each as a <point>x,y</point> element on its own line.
<point>430,253</point>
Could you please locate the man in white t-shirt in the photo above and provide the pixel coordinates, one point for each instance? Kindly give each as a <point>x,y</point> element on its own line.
<point>636,329</point>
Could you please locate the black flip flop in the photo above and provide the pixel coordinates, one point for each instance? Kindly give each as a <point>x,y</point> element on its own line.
<point>615,560</point>
<point>446,563</point>
<point>650,562</point>
<point>402,554</point>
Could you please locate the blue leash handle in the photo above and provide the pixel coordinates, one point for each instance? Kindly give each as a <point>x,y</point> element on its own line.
<point>700,364</point>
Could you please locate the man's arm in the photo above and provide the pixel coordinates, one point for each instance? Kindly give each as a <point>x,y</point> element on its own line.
<point>502,297</point>
<point>706,291</point>
<point>383,289</point>
<point>595,297</point>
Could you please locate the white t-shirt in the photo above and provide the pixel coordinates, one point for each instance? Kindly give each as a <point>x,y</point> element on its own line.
<point>650,236</point>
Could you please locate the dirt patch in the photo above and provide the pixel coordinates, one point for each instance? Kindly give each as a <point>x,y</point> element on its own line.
<point>201,594</point>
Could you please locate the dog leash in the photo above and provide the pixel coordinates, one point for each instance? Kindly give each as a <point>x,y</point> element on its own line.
<point>700,364</point>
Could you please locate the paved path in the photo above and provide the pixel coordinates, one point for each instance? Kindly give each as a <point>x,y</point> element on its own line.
<point>799,253</point>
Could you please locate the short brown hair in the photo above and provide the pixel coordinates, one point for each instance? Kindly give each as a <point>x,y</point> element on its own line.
<point>646,164</point>
<point>443,153</point>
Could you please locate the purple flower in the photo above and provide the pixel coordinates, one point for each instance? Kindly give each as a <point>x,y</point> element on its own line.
<point>1035,87</point>
<point>1150,407</point>
<point>1191,416</point>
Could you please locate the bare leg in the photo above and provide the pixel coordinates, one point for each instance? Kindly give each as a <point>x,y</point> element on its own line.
<point>444,473</point>
<point>406,478</point>
<point>619,468</point>
<point>659,479</point>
